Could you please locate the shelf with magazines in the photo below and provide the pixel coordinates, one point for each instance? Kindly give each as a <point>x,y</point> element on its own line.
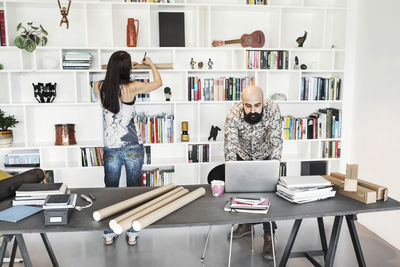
<point>98,28</point>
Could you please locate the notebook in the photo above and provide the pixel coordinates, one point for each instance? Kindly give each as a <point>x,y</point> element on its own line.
<point>251,176</point>
<point>17,213</point>
<point>304,181</point>
<point>32,189</point>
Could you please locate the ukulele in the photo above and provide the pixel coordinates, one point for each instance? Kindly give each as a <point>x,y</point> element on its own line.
<point>255,39</point>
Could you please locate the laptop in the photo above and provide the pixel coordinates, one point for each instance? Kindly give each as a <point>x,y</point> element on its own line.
<point>251,176</point>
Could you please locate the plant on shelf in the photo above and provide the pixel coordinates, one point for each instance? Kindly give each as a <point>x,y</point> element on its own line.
<point>6,136</point>
<point>30,37</point>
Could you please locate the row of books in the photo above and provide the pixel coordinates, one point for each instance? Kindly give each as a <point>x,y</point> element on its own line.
<point>156,129</point>
<point>331,149</point>
<point>92,156</point>
<point>317,88</point>
<point>267,59</point>
<point>217,89</point>
<point>75,60</point>
<point>35,194</point>
<point>2,29</point>
<point>282,169</point>
<point>198,153</point>
<point>22,158</point>
<point>257,2</point>
<point>326,123</point>
<point>157,177</point>
<point>303,189</point>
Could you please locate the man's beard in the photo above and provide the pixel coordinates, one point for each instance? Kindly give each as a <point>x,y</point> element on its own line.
<point>253,117</point>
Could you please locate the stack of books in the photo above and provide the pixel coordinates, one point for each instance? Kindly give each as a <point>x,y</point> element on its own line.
<point>36,194</point>
<point>77,61</point>
<point>303,189</point>
<point>248,205</point>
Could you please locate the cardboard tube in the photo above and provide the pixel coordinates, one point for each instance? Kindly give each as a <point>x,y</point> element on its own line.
<point>154,216</point>
<point>142,207</point>
<point>126,224</point>
<point>98,215</point>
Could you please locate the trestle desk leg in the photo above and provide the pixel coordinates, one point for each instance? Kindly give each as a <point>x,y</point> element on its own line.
<point>290,242</point>
<point>23,250</point>
<point>49,249</point>
<point>354,238</point>
<point>13,252</point>
<point>322,235</point>
<point>333,242</point>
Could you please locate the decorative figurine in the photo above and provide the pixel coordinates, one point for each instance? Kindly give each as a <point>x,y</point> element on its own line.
<point>200,65</point>
<point>301,39</point>
<point>44,93</point>
<point>279,97</point>
<point>192,63</point>
<point>210,64</point>
<point>64,12</point>
<point>185,129</point>
<point>296,63</point>
<point>303,66</point>
<point>214,132</point>
<point>167,92</point>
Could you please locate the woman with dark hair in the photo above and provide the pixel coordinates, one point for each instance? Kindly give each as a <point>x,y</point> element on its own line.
<point>122,139</point>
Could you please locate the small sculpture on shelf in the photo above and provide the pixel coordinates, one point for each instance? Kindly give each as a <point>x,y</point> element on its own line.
<point>214,132</point>
<point>303,66</point>
<point>296,63</point>
<point>192,63</point>
<point>168,94</point>
<point>44,93</point>
<point>185,129</point>
<point>279,97</point>
<point>300,40</point>
<point>200,65</point>
<point>210,64</point>
<point>65,134</point>
<point>64,12</point>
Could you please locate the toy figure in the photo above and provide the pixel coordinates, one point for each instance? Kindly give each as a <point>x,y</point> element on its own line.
<point>210,64</point>
<point>64,12</point>
<point>192,63</point>
<point>214,132</point>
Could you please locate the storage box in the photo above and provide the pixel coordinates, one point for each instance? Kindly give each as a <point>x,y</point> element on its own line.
<point>57,216</point>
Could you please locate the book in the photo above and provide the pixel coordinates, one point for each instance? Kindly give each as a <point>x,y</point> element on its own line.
<point>32,189</point>
<point>2,28</point>
<point>237,203</point>
<point>15,214</point>
<point>228,208</point>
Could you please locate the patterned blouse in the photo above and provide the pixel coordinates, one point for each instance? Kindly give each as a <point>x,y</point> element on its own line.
<point>253,142</point>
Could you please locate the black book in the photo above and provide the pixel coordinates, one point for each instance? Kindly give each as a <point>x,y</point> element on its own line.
<point>171,29</point>
<point>194,154</point>
<point>189,88</point>
<point>32,189</point>
<point>310,128</point>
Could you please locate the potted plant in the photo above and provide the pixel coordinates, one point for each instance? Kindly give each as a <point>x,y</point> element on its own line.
<point>30,37</point>
<point>6,136</point>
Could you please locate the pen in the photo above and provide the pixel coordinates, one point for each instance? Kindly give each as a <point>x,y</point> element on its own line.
<point>91,196</point>
<point>144,55</point>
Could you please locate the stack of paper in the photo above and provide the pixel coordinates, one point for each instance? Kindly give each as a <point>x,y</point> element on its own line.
<point>248,205</point>
<point>303,189</point>
<point>35,194</point>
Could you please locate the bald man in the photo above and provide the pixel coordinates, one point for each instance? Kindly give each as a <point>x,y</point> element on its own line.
<point>253,132</point>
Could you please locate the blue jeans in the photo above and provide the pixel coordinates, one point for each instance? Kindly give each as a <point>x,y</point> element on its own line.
<point>132,156</point>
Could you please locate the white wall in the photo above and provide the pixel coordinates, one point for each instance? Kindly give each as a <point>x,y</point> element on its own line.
<point>375,131</point>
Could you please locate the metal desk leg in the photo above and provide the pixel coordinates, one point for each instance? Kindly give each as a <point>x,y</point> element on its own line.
<point>322,235</point>
<point>3,249</point>
<point>354,238</point>
<point>23,250</point>
<point>205,246</point>
<point>273,243</point>
<point>230,247</point>
<point>49,249</point>
<point>333,242</point>
<point>290,242</point>
<point>13,252</point>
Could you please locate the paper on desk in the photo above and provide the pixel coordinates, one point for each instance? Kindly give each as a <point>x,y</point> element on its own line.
<point>17,213</point>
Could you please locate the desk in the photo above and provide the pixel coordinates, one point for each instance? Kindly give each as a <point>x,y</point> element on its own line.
<point>205,211</point>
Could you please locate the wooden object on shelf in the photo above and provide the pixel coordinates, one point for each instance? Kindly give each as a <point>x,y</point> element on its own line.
<point>101,214</point>
<point>362,194</point>
<point>138,66</point>
<point>255,39</point>
<point>350,182</point>
<point>64,12</point>
<point>126,224</point>
<point>381,191</point>
<point>65,134</point>
<point>300,40</point>
<point>154,216</point>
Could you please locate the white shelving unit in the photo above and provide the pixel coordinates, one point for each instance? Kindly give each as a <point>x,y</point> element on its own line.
<point>99,27</point>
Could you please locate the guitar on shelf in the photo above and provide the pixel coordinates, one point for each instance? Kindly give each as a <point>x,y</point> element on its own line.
<point>255,39</point>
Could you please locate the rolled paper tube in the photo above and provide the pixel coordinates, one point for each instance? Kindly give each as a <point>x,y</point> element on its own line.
<point>98,215</point>
<point>126,224</point>
<point>142,207</point>
<point>154,216</point>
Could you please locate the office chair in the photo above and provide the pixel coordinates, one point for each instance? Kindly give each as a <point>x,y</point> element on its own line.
<point>218,173</point>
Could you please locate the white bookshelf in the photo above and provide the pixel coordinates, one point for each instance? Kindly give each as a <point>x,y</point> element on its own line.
<point>99,27</point>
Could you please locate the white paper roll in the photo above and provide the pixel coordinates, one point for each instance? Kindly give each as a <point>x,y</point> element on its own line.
<point>126,204</point>
<point>126,224</point>
<point>154,216</point>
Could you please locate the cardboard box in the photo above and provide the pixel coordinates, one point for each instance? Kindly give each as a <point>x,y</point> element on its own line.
<point>381,191</point>
<point>362,194</point>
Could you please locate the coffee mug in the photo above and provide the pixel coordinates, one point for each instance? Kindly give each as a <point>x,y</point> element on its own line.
<point>217,187</point>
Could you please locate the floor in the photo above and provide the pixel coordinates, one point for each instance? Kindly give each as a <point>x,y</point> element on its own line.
<point>183,247</point>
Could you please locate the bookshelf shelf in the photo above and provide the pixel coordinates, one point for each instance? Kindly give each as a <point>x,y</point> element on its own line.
<point>98,27</point>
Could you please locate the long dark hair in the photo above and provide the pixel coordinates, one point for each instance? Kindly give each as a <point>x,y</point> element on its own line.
<point>118,72</point>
